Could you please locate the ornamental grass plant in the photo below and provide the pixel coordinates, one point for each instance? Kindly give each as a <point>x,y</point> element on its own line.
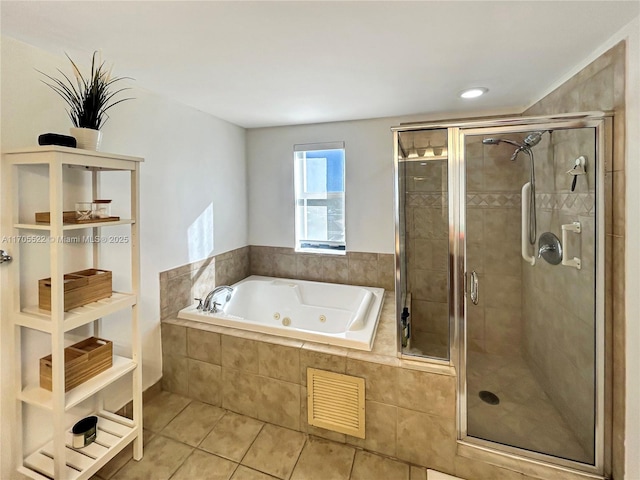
<point>90,97</point>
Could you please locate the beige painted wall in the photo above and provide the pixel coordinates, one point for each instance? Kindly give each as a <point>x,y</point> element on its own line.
<point>193,181</point>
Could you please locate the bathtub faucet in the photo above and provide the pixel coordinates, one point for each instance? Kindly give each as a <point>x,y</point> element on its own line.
<point>209,304</point>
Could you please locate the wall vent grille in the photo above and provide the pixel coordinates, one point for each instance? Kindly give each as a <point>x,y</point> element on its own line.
<point>336,402</point>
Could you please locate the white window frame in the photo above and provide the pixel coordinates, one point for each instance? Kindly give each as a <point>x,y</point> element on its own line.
<point>317,246</point>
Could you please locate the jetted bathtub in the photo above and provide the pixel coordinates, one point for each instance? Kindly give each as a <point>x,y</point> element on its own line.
<point>330,313</point>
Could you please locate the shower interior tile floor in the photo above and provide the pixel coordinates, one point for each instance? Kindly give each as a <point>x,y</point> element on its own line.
<point>421,346</point>
<point>525,416</point>
<point>188,440</point>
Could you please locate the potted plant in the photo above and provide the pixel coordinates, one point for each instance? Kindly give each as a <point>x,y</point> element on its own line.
<point>88,98</point>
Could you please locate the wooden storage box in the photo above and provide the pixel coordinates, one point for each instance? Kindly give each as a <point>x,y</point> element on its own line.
<point>80,288</point>
<point>82,361</point>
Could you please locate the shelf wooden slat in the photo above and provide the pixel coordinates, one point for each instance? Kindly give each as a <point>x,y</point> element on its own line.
<point>34,395</point>
<point>38,319</point>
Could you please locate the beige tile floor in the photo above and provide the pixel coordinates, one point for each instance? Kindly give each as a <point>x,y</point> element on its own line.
<point>188,440</point>
<point>525,417</point>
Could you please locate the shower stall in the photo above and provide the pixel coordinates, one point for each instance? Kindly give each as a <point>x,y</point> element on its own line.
<point>500,261</point>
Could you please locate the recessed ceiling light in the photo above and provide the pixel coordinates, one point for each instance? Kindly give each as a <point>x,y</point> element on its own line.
<point>473,92</point>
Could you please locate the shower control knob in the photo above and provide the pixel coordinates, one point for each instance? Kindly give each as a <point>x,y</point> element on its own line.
<point>550,248</point>
<point>545,248</point>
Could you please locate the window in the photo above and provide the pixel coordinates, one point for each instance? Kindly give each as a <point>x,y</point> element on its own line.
<point>319,189</point>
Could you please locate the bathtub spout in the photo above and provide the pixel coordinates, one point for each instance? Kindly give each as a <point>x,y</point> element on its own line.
<point>212,306</point>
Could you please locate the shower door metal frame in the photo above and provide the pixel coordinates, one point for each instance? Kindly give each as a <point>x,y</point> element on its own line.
<point>456,132</point>
<point>595,121</point>
<point>452,279</point>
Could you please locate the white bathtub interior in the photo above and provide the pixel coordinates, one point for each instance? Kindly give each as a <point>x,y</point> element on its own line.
<point>334,314</point>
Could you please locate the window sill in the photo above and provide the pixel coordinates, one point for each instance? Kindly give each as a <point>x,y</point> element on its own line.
<point>321,251</point>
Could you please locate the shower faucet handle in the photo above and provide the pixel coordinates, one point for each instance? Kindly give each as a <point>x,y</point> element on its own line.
<point>545,248</point>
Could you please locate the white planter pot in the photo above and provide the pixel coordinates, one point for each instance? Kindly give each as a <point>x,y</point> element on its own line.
<point>87,138</point>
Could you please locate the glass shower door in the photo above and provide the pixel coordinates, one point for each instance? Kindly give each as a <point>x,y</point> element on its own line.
<point>530,334</point>
<point>423,233</point>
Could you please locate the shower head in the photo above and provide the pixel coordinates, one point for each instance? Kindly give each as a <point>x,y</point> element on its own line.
<point>533,139</point>
<point>529,142</point>
<point>496,141</point>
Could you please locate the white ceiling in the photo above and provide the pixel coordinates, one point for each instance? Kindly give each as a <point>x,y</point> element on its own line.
<point>278,63</point>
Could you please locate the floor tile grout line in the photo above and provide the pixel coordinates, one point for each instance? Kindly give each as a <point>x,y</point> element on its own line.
<point>211,429</point>
<point>172,418</point>
<point>234,470</point>
<point>353,462</point>
<point>252,442</point>
<point>306,442</point>
<point>129,460</point>
<point>182,463</point>
<point>238,463</point>
<point>166,435</point>
<point>256,437</point>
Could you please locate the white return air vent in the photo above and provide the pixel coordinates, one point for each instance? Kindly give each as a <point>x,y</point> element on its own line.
<point>336,402</point>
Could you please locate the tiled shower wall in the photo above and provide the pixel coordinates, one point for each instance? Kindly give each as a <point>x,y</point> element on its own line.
<point>427,243</point>
<point>558,301</point>
<point>179,286</point>
<point>600,86</point>
<point>493,242</point>
<point>493,245</point>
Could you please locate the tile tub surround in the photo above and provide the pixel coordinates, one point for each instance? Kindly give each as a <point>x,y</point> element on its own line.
<point>264,377</point>
<point>410,405</point>
<point>353,268</point>
<point>180,285</point>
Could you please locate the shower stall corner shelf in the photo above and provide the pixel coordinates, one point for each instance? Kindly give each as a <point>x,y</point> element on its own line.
<point>57,459</point>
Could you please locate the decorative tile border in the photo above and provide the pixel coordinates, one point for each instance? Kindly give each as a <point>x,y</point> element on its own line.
<point>474,200</point>
<point>425,199</point>
<point>569,203</point>
<point>493,200</point>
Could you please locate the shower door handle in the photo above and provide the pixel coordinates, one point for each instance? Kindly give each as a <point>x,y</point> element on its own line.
<point>474,287</point>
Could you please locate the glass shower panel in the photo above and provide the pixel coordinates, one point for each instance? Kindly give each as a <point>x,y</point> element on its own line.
<point>424,242</point>
<point>530,339</point>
